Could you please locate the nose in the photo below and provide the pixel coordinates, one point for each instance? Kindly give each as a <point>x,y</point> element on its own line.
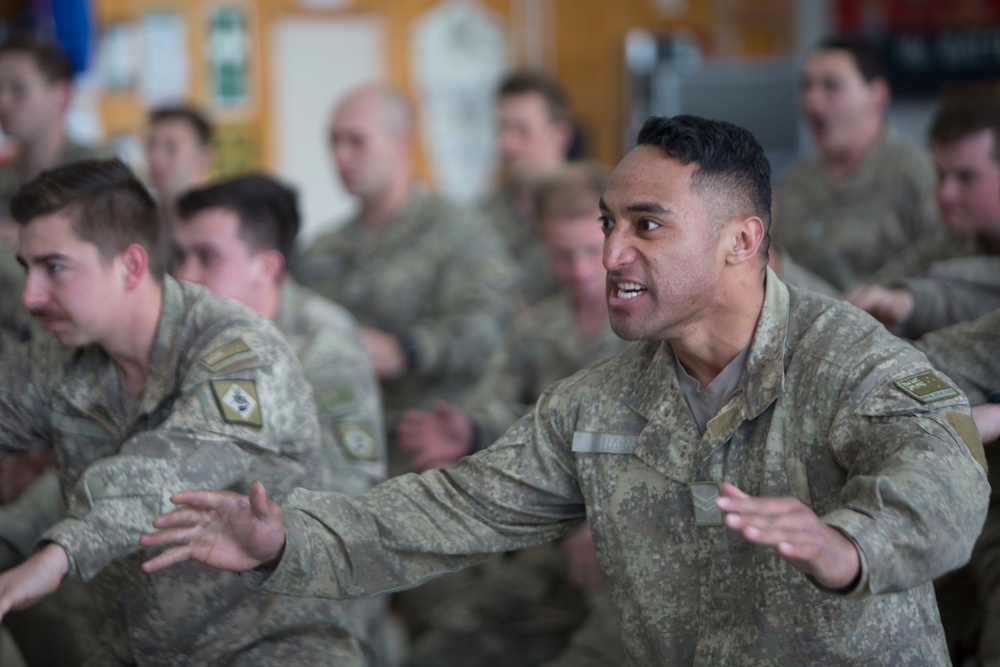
<point>34,295</point>
<point>618,249</point>
<point>947,190</point>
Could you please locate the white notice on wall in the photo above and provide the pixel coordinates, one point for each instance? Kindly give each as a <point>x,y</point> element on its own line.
<point>458,60</point>
<point>166,67</point>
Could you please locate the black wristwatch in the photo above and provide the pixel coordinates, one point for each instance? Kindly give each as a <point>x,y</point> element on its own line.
<point>993,397</point>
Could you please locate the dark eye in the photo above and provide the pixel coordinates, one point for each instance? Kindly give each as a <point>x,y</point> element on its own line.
<point>607,224</point>
<point>646,225</point>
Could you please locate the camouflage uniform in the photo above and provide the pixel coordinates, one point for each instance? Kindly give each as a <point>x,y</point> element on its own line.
<point>953,279</point>
<point>534,278</point>
<point>16,324</point>
<point>822,413</point>
<point>970,354</point>
<point>520,609</point>
<point>12,174</point>
<point>795,274</point>
<point>437,276</point>
<point>326,340</point>
<point>542,344</point>
<point>224,405</point>
<point>845,233</point>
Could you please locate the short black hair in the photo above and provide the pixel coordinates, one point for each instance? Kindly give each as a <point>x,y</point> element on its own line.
<point>107,205</point>
<point>867,57</point>
<point>48,55</point>
<point>196,119</point>
<point>730,160</point>
<point>268,210</point>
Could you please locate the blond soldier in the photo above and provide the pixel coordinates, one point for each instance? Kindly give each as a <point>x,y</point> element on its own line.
<point>426,280</point>
<point>146,385</point>
<point>952,276</point>
<point>771,478</point>
<point>867,193</point>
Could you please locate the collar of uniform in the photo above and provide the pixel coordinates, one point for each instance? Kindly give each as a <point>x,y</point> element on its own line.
<point>291,293</point>
<point>764,377</point>
<point>166,348</point>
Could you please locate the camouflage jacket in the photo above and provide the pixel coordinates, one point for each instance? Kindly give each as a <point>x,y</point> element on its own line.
<point>437,275</point>
<point>953,279</point>
<point>225,404</point>
<point>831,409</point>
<point>845,233</point>
<point>543,344</point>
<point>534,279</point>
<point>12,174</point>
<point>326,340</point>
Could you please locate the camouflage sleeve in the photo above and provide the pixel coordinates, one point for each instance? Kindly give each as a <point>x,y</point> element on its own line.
<point>27,517</point>
<point>226,429</point>
<point>350,413</point>
<point>520,492</point>
<point>501,395</point>
<point>464,323</point>
<point>916,494</point>
<point>23,404</point>
<point>969,353</point>
<point>951,291</point>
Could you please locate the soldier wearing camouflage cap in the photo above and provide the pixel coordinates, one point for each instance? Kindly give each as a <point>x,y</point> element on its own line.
<point>771,478</point>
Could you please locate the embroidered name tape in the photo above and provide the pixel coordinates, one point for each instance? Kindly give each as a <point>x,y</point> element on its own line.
<point>604,443</point>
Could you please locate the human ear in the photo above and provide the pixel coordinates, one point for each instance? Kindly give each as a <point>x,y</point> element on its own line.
<point>135,261</point>
<point>745,239</point>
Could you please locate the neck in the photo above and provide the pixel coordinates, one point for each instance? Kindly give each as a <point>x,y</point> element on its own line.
<point>842,165</point>
<point>706,347</point>
<point>131,346</point>
<point>269,300</point>
<point>388,204</point>
<point>44,153</point>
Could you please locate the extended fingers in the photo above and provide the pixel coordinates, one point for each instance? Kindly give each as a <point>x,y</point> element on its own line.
<point>169,557</point>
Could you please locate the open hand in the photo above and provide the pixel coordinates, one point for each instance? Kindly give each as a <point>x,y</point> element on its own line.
<point>435,439</point>
<point>796,533</point>
<point>222,529</point>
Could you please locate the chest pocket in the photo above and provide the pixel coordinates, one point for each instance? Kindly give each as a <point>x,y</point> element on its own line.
<point>77,442</point>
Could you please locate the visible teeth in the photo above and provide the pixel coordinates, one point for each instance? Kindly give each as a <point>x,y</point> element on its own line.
<point>629,290</point>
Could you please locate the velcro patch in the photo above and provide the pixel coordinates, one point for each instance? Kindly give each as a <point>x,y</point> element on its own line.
<point>925,387</point>
<point>336,399</point>
<point>359,441</point>
<point>965,426</point>
<point>234,350</point>
<point>238,402</point>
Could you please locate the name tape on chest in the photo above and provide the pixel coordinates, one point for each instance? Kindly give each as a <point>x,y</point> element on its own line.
<point>925,387</point>
<point>238,402</point>
<point>604,443</point>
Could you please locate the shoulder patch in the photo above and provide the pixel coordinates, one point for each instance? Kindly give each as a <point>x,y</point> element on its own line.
<point>232,352</point>
<point>237,401</point>
<point>925,387</point>
<point>336,399</point>
<point>358,441</point>
<point>965,426</point>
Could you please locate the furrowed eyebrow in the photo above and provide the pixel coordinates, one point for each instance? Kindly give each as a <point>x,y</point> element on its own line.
<point>41,259</point>
<point>647,207</point>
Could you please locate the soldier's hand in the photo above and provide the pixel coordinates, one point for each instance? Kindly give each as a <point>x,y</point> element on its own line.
<point>796,533</point>
<point>891,307</point>
<point>222,529</point>
<point>385,351</point>
<point>987,418</point>
<point>34,579</point>
<point>435,439</point>
<point>584,570</point>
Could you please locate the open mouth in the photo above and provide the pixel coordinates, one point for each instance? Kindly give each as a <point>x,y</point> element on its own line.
<point>628,291</point>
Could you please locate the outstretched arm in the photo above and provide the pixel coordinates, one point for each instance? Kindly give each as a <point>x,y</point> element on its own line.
<point>34,579</point>
<point>222,529</point>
